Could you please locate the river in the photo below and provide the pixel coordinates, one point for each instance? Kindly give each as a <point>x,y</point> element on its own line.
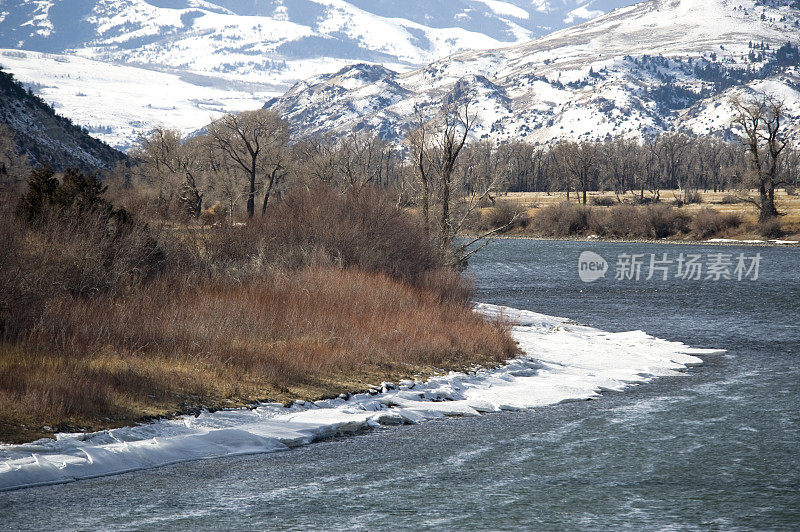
<point>718,448</point>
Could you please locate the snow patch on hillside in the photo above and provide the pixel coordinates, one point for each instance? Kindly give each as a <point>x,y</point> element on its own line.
<point>506,9</point>
<point>581,13</point>
<point>41,21</point>
<point>657,66</point>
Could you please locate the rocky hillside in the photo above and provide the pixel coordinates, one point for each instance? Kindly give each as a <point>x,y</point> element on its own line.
<point>46,137</point>
<point>655,66</point>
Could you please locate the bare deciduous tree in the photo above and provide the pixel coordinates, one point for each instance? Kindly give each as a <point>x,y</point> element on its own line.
<point>455,123</point>
<point>760,119</point>
<point>581,161</point>
<point>255,141</point>
<point>670,150</point>
<point>419,141</point>
<point>620,164</point>
<point>171,165</point>
<point>364,159</point>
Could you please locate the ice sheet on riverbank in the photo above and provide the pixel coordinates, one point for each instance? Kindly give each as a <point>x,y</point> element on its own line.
<point>776,242</point>
<point>562,362</point>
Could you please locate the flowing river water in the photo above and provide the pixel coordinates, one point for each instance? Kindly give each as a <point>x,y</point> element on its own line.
<point>718,448</point>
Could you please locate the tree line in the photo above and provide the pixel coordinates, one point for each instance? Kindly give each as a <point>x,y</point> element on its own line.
<point>242,163</point>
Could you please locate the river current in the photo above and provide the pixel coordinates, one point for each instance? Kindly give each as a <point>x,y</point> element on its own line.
<point>717,448</point>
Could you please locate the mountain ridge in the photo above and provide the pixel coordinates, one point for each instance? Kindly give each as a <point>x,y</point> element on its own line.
<point>656,66</point>
<point>231,55</point>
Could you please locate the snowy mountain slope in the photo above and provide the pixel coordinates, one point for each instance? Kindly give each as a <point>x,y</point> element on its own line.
<point>44,136</point>
<point>262,47</point>
<point>116,103</point>
<point>400,31</point>
<point>642,69</point>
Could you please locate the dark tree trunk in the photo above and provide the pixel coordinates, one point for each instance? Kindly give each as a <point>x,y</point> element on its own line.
<point>251,196</point>
<point>268,191</point>
<point>425,204</point>
<point>766,192</point>
<point>445,221</point>
<point>266,200</point>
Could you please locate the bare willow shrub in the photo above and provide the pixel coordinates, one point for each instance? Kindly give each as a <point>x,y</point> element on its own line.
<point>506,216</point>
<point>604,201</point>
<point>620,221</point>
<point>563,219</point>
<point>708,222</point>
<point>770,228</point>
<point>68,253</point>
<point>665,221</point>
<point>323,227</point>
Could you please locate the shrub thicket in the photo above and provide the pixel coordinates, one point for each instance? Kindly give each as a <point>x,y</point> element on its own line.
<point>708,222</point>
<point>506,216</point>
<point>604,201</point>
<point>770,228</point>
<point>67,239</point>
<point>620,221</point>
<point>563,219</point>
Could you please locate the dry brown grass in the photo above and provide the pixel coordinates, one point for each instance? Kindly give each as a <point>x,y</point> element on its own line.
<point>317,332</point>
<point>535,202</point>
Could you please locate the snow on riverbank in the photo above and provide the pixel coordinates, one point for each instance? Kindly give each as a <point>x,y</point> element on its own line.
<point>777,242</point>
<point>562,362</point>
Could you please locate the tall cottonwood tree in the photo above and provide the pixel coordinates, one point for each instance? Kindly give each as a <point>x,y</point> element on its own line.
<point>256,142</point>
<point>455,123</point>
<point>761,119</point>
<point>449,190</point>
<point>620,165</point>
<point>364,159</point>
<point>420,144</point>
<point>581,160</point>
<point>671,151</point>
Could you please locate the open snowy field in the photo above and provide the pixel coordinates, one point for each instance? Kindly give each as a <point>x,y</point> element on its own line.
<point>116,103</point>
<point>562,362</point>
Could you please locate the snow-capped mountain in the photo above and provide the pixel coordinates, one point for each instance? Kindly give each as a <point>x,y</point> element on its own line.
<point>199,58</point>
<point>655,66</point>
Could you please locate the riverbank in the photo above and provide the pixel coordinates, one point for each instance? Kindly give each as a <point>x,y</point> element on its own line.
<point>627,222</point>
<point>675,241</point>
<point>162,350</point>
<point>561,361</point>
<point>107,321</point>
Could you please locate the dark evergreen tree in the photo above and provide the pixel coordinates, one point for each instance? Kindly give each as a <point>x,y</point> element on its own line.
<point>42,185</point>
<point>81,191</point>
